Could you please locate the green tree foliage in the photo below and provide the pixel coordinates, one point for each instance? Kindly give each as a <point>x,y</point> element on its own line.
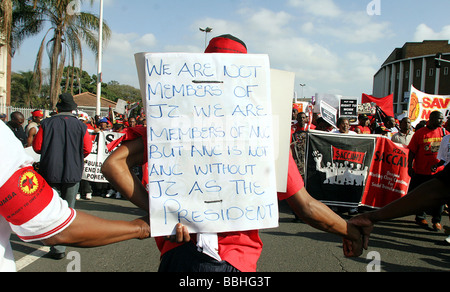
<point>65,38</point>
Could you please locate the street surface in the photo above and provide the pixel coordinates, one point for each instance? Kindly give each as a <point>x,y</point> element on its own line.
<point>399,246</point>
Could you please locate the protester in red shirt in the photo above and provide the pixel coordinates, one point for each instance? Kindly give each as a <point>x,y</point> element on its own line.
<point>239,251</point>
<point>363,127</point>
<point>303,123</point>
<point>84,117</point>
<point>424,148</point>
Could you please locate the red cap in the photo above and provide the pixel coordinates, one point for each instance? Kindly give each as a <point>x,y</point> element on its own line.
<point>37,113</point>
<point>226,44</point>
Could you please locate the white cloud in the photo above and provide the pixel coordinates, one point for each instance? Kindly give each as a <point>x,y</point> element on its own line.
<point>358,27</point>
<point>424,32</point>
<point>326,18</point>
<point>267,22</point>
<point>307,27</point>
<point>146,41</point>
<point>118,56</point>
<point>322,68</point>
<point>326,8</point>
<point>361,65</point>
<point>127,44</point>
<point>292,45</point>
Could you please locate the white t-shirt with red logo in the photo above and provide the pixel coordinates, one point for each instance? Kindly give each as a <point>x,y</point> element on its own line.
<point>28,206</point>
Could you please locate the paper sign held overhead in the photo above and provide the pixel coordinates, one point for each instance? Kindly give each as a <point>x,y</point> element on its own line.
<point>328,113</point>
<point>210,142</point>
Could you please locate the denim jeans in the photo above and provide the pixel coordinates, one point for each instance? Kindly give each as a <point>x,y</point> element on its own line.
<point>68,193</point>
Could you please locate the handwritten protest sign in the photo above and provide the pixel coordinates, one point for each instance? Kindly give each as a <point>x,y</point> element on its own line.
<point>210,142</point>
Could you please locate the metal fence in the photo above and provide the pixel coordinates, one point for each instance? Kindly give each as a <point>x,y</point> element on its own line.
<point>25,111</point>
<point>8,110</point>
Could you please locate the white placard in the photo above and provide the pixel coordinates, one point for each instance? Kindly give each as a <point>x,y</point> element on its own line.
<point>282,84</point>
<point>92,169</point>
<point>210,142</point>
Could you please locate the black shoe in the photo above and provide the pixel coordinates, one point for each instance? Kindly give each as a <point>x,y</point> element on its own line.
<point>57,256</point>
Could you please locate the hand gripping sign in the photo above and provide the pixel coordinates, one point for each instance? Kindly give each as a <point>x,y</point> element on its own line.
<point>210,142</point>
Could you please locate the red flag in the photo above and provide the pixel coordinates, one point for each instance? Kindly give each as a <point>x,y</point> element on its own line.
<point>385,103</point>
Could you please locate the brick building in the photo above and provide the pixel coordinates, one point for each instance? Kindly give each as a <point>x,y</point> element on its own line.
<point>413,64</point>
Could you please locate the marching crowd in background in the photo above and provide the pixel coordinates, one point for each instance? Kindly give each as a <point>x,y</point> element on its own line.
<point>26,129</point>
<point>426,158</point>
<point>428,145</point>
<point>60,137</point>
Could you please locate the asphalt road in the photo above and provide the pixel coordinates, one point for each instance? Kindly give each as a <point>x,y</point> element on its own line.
<point>398,246</point>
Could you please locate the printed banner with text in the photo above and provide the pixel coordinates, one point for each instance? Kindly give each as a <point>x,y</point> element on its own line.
<point>210,143</point>
<point>93,163</point>
<point>355,170</point>
<point>421,105</point>
<point>388,178</point>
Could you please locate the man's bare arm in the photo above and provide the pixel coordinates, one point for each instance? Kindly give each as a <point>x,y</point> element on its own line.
<point>116,170</point>
<point>91,231</point>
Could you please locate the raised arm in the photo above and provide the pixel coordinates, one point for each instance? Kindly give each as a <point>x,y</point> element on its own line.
<point>116,170</point>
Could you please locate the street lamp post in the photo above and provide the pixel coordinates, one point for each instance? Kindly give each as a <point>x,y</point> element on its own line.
<point>206,31</point>
<point>303,86</point>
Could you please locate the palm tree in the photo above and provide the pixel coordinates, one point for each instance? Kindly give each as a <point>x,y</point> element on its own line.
<point>67,34</point>
<point>5,21</point>
<point>25,22</point>
<point>23,18</point>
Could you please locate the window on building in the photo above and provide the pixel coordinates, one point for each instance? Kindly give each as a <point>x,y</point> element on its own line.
<point>446,71</point>
<point>418,73</point>
<point>406,74</point>
<point>431,72</point>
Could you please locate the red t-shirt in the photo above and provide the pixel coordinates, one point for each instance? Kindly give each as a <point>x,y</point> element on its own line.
<point>364,130</point>
<point>295,128</point>
<point>240,249</point>
<point>425,145</point>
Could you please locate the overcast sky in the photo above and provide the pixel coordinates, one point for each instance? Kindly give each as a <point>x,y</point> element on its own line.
<point>332,46</point>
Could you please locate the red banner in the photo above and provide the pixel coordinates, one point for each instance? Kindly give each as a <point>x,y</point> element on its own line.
<point>355,170</point>
<point>388,179</point>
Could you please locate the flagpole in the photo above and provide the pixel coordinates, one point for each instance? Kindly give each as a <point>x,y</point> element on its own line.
<point>100,53</point>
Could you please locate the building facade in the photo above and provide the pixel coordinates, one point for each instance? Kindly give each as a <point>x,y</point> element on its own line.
<point>413,65</point>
